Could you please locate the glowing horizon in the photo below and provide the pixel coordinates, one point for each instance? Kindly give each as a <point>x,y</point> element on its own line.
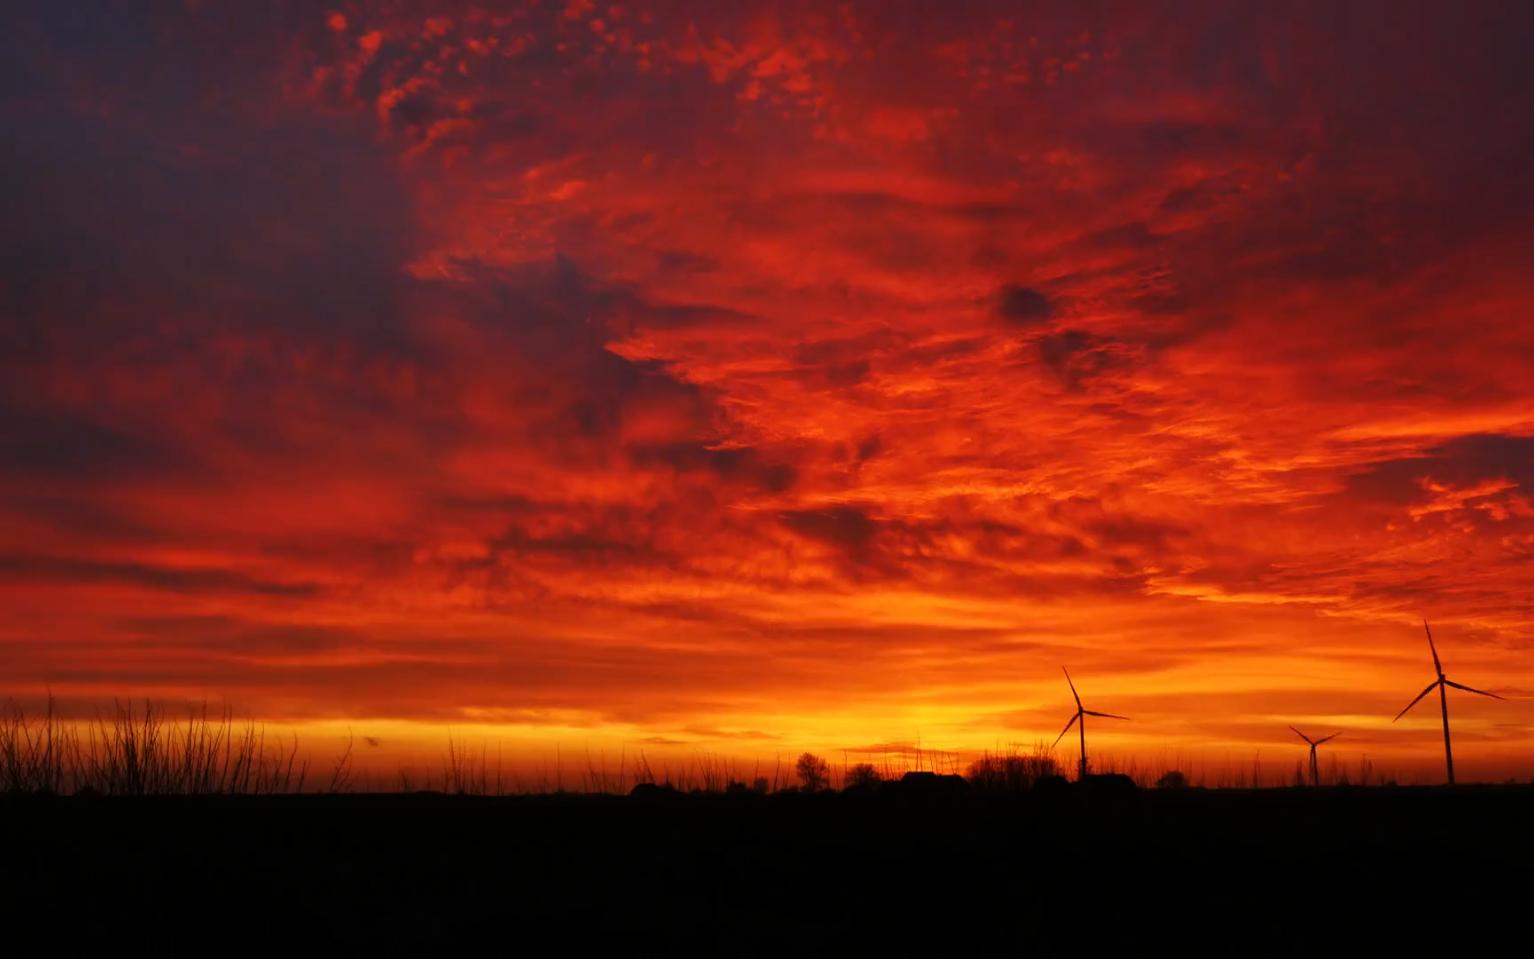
<point>745,379</point>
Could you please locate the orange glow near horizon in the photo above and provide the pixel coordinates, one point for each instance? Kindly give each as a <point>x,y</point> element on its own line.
<point>737,379</point>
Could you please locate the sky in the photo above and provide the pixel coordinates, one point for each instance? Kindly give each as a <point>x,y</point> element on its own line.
<point>735,379</point>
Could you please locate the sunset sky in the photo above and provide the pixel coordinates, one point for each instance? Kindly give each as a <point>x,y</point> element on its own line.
<point>740,378</point>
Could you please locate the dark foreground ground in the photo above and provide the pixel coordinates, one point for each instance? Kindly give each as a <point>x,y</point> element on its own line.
<point>1227,873</point>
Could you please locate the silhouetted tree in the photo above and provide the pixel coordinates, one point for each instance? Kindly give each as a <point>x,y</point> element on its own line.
<point>1172,779</point>
<point>862,776</point>
<point>813,772</point>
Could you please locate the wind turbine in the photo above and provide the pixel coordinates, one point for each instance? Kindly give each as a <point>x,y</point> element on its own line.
<point>1442,682</point>
<point>1081,716</point>
<point>1315,774</point>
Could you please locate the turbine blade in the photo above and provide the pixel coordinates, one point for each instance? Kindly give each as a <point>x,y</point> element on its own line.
<point>1302,736</point>
<point>1327,739</point>
<point>1469,689</point>
<point>1067,673</point>
<point>1065,730</point>
<point>1430,687</point>
<point>1436,665</point>
<point>1103,715</point>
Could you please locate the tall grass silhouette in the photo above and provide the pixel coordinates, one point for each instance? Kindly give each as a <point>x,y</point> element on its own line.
<point>1012,771</point>
<point>140,751</point>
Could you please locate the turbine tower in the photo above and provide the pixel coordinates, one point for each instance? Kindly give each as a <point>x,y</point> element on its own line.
<point>1442,683</point>
<point>1081,716</point>
<point>1315,772</point>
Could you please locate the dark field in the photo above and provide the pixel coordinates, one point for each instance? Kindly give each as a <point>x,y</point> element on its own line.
<point>1216,872</point>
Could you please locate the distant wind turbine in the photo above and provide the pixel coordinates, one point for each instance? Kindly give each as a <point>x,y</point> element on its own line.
<point>1443,700</point>
<point>1315,773</point>
<point>1081,716</point>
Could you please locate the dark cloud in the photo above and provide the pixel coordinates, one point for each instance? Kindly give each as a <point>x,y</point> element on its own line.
<point>1074,356</point>
<point>1490,455</point>
<point>1134,237</point>
<point>57,443</point>
<point>217,634</point>
<point>1023,306</point>
<point>199,216</point>
<point>729,465</point>
<point>1462,462</point>
<point>171,579</point>
<point>848,528</point>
